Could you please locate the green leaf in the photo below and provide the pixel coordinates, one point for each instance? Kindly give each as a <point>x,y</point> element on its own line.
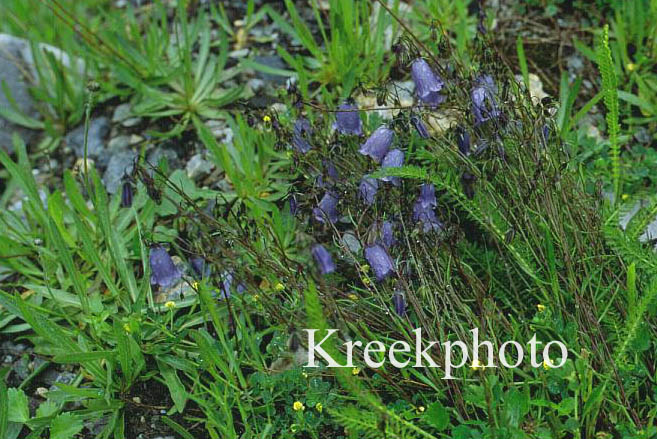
<point>4,409</point>
<point>437,416</point>
<point>65,426</point>
<point>19,410</point>
<point>176,388</point>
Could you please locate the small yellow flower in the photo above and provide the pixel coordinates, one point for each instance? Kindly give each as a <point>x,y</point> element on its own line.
<point>630,67</point>
<point>266,118</point>
<point>195,285</point>
<point>352,296</point>
<point>365,268</point>
<point>476,365</point>
<point>366,280</point>
<point>170,304</point>
<point>625,196</point>
<point>279,287</point>
<point>298,405</point>
<point>420,409</point>
<point>355,371</point>
<point>540,307</point>
<point>319,407</point>
<point>127,328</point>
<point>256,297</point>
<point>547,364</point>
<point>304,374</point>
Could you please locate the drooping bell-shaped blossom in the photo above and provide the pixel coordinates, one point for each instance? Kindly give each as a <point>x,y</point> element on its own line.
<point>227,279</point>
<point>484,105</point>
<point>348,121</point>
<point>294,205</point>
<point>427,83</point>
<point>420,127</point>
<point>367,189</point>
<point>427,198</point>
<point>467,181</point>
<point>164,272</point>
<point>200,267</point>
<point>423,209</point>
<point>427,219</point>
<point>300,135</point>
<point>399,303</point>
<point>327,209</point>
<point>380,261</point>
<point>126,194</point>
<point>387,234</point>
<point>323,259</point>
<point>378,144</point>
<point>394,159</point>
<point>463,140</point>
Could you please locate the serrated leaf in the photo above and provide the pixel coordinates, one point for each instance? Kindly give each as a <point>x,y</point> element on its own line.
<point>19,410</point>
<point>65,426</point>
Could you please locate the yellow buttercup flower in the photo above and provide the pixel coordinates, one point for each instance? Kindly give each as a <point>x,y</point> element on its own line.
<point>476,365</point>
<point>366,280</point>
<point>540,307</point>
<point>625,196</point>
<point>170,304</point>
<point>420,409</point>
<point>319,407</point>
<point>279,287</point>
<point>266,118</point>
<point>298,405</point>
<point>547,364</point>
<point>355,371</point>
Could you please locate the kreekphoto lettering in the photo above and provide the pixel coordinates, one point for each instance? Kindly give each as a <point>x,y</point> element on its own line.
<point>456,354</point>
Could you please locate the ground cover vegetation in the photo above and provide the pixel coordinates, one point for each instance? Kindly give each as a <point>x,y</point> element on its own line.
<point>196,183</point>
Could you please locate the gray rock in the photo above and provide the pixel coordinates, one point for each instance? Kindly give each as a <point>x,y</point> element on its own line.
<point>159,153</point>
<point>98,130</point>
<point>12,74</point>
<point>352,243</point>
<point>118,143</point>
<point>123,115</point>
<point>273,61</point>
<point>18,72</point>
<point>120,163</point>
<point>198,166</point>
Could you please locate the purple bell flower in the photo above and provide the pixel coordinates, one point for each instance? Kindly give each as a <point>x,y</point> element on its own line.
<point>387,233</point>
<point>423,209</point>
<point>380,261</point>
<point>394,159</point>
<point>399,302</point>
<point>348,122</point>
<point>427,198</point>
<point>328,208</point>
<point>302,131</point>
<point>463,141</point>
<point>378,144</point>
<point>227,279</point>
<point>164,272</point>
<point>484,106</point>
<point>427,83</point>
<point>126,194</point>
<point>323,259</point>
<point>367,188</point>
<point>200,267</point>
<point>420,127</point>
